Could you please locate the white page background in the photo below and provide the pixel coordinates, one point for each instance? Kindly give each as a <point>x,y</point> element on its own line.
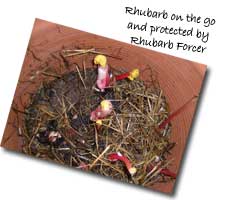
<point>203,171</point>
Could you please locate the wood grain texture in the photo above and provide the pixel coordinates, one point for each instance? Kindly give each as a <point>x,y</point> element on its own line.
<point>180,79</point>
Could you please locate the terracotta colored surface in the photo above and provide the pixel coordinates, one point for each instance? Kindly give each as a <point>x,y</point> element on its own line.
<point>180,79</point>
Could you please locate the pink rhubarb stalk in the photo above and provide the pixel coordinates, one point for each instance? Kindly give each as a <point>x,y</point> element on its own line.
<point>175,113</point>
<point>166,172</point>
<point>130,75</point>
<point>53,136</point>
<point>103,110</point>
<point>118,156</point>
<point>103,77</point>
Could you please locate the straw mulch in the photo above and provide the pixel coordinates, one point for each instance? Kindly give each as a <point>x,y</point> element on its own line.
<point>63,105</point>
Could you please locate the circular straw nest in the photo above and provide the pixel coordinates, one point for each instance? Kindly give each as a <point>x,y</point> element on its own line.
<point>57,125</point>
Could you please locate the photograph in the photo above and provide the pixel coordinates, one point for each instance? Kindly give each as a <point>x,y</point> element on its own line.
<point>103,106</point>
